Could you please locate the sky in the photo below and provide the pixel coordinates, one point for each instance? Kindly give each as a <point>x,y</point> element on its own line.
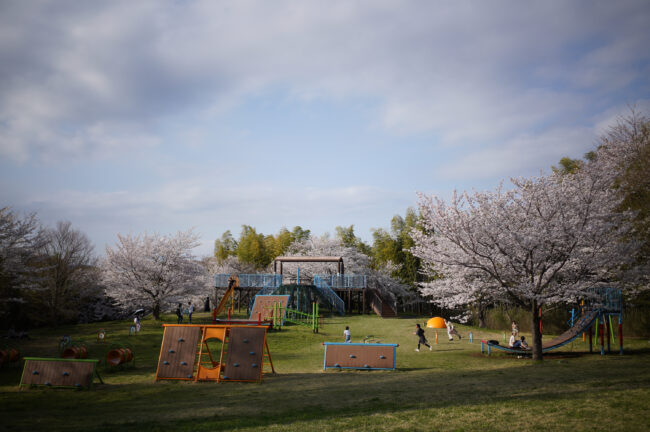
<point>159,116</point>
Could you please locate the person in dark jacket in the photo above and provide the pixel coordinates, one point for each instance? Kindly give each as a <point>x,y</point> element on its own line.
<point>419,332</point>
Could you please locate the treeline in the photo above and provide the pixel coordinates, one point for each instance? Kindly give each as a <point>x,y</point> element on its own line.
<point>389,248</point>
<point>51,276</point>
<point>47,275</point>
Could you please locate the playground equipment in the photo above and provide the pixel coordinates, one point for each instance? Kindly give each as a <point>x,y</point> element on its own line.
<point>364,356</point>
<point>281,315</point>
<point>436,323</point>
<point>59,373</point>
<point>339,291</point>
<point>233,282</point>
<point>597,310</point>
<point>263,306</point>
<point>311,320</point>
<point>9,355</point>
<point>185,353</point>
<point>120,355</point>
<point>75,352</point>
<point>69,349</point>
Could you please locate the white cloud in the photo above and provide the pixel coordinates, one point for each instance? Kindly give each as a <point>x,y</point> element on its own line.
<point>514,86</point>
<point>462,71</point>
<point>213,209</point>
<point>521,155</point>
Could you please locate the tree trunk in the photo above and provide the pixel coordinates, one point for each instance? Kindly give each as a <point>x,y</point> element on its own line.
<point>537,335</point>
<point>156,311</point>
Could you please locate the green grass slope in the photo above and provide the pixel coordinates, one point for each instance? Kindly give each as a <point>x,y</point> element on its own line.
<point>453,387</point>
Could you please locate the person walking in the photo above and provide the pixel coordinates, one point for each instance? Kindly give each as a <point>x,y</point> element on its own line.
<point>419,332</point>
<point>179,313</point>
<point>451,330</point>
<point>190,311</point>
<point>348,336</point>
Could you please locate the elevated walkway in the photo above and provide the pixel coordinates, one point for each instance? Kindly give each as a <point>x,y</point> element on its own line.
<point>341,291</point>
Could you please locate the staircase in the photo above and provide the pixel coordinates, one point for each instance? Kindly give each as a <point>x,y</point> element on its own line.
<point>381,306</point>
<point>327,292</point>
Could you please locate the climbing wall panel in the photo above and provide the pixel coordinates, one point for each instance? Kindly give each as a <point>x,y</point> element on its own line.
<point>264,304</point>
<point>178,352</point>
<point>59,372</point>
<point>245,354</point>
<point>360,356</point>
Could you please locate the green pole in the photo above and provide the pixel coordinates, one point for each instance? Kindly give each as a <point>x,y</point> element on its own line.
<point>611,329</point>
<point>275,314</point>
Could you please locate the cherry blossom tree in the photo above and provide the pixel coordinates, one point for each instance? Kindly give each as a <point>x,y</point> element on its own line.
<point>356,262</point>
<point>546,240</point>
<point>154,268</point>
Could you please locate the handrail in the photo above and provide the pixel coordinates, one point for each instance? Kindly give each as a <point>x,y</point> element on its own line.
<point>605,298</point>
<point>344,281</point>
<point>249,280</point>
<point>324,288</point>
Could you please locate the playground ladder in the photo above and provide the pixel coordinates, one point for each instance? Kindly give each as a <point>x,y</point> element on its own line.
<point>266,358</point>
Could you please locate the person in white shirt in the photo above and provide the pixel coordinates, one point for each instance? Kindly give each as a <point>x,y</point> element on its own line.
<point>348,336</point>
<point>451,330</point>
<point>511,342</point>
<point>190,311</point>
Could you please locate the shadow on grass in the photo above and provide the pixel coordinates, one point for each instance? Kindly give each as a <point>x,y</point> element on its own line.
<point>288,398</point>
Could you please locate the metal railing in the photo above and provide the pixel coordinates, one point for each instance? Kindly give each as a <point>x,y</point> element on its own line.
<point>259,280</point>
<point>344,281</point>
<point>249,280</point>
<point>608,299</point>
<point>221,280</point>
<point>327,292</point>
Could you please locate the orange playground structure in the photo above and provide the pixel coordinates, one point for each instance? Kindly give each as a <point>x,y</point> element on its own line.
<point>185,353</point>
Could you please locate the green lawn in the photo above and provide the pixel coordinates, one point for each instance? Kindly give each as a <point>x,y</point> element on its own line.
<point>452,388</point>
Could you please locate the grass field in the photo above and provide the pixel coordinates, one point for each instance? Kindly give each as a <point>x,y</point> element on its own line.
<point>453,387</point>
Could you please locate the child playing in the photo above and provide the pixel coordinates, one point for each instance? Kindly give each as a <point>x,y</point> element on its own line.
<point>451,330</point>
<point>419,332</point>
